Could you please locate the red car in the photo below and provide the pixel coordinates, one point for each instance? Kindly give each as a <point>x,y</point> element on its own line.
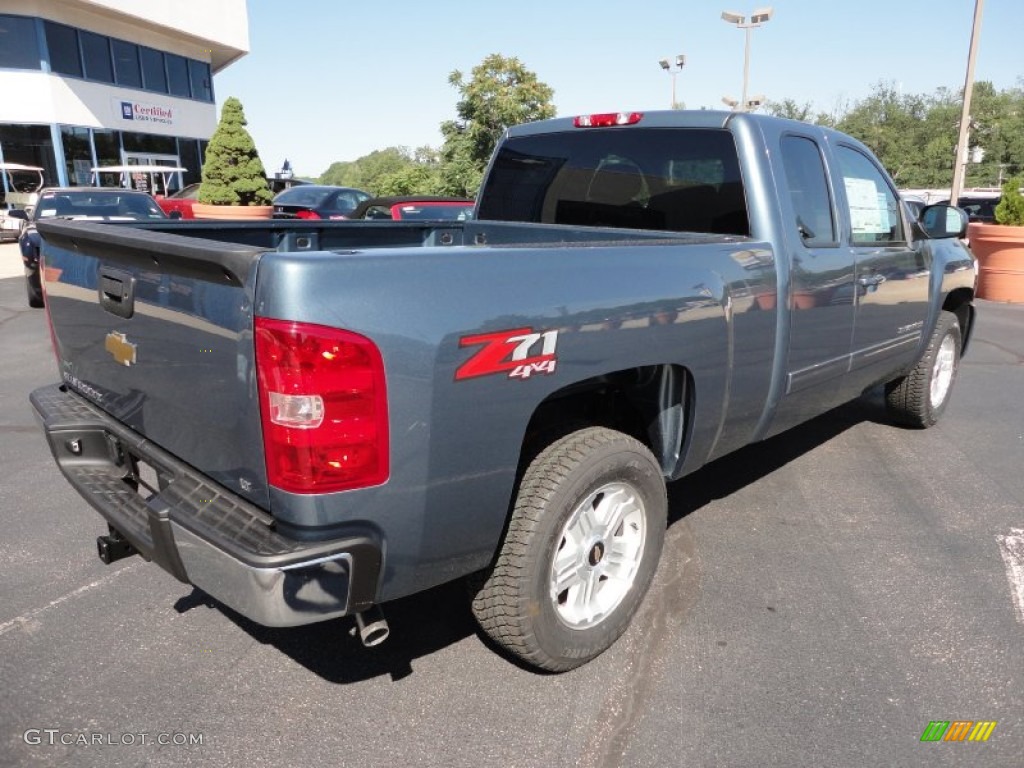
<point>415,207</point>
<point>180,202</point>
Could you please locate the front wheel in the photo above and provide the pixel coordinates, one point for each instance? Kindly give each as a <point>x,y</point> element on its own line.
<point>581,549</point>
<point>919,398</point>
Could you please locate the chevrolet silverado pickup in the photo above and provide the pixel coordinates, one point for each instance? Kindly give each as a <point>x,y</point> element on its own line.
<point>309,419</point>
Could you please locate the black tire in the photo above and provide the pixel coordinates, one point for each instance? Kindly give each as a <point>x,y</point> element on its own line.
<point>913,400</point>
<point>35,295</point>
<point>606,477</point>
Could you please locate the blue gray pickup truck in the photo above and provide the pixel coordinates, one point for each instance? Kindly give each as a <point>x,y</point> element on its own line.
<point>307,420</point>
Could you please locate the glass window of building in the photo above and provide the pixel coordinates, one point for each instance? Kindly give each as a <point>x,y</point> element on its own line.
<point>150,143</point>
<point>18,45</point>
<point>201,83</point>
<point>154,78</point>
<point>30,145</point>
<point>188,152</point>
<point>62,46</point>
<point>126,63</point>
<point>96,53</point>
<point>77,154</point>
<point>108,152</point>
<point>177,75</point>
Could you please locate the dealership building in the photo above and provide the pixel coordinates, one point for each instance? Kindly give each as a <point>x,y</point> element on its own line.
<point>87,83</point>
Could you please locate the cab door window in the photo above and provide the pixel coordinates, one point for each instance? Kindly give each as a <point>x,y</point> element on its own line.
<point>874,210</point>
<point>808,190</point>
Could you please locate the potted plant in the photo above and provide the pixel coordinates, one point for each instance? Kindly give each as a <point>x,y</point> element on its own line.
<point>234,182</point>
<point>999,247</point>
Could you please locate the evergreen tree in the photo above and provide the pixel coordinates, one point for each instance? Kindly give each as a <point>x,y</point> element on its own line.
<point>1010,210</point>
<point>233,173</point>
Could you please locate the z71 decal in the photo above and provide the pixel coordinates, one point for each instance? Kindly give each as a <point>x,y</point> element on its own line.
<point>521,352</point>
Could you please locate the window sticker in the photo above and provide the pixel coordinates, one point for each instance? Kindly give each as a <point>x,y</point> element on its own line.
<point>867,208</point>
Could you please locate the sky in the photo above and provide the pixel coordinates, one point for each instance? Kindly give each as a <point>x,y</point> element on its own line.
<point>326,81</point>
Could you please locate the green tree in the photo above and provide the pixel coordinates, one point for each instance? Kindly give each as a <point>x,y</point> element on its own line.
<point>390,171</point>
<point>501,92</point>
<point>789,108</point>
<point>1010,210</point>
<point>233,173</point>
<point>892,125</point>
<point>337,174</point>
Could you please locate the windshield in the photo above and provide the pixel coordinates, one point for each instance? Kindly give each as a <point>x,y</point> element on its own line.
<point>98,204</point>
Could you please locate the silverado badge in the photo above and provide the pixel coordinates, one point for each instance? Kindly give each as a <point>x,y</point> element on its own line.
<point>122,350</point>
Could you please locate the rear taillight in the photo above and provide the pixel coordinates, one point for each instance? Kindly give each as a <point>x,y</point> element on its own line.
<point>307,215</point>
<point>606,119</point>
<point>324,406</point>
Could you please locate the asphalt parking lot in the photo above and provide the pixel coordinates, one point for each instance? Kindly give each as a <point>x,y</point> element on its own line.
<point>822,598</point>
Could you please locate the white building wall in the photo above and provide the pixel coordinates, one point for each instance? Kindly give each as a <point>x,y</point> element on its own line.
<point>49,99</point>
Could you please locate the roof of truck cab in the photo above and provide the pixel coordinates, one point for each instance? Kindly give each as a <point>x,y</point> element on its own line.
<point>668,118</point>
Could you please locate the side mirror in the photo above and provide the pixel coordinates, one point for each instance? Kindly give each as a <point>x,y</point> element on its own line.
<point>174,215</point>
<point>17,213</point>
<point>942,221</point>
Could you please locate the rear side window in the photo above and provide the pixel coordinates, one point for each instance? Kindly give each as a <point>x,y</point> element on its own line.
<point>808,191</point>
<point>873,207</point>
<point>680,180</point>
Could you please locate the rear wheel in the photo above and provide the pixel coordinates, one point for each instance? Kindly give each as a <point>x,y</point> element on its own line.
<point>34,292</point>
<point>919,398</point>
<point>582,546</point>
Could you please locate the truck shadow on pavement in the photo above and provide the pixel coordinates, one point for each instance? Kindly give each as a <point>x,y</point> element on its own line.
<point>430,621</point>
<point>741,468</point>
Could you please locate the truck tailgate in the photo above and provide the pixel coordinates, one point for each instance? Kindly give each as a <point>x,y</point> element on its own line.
<point>156,330</point>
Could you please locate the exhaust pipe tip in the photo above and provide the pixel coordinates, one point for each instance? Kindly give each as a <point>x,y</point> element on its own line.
<point>373,627</point>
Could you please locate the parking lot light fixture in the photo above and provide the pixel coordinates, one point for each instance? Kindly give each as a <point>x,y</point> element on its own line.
<point>679,62</point>
<point>757,19</point>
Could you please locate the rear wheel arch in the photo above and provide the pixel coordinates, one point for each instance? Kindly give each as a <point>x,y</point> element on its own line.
<point>650,403</point>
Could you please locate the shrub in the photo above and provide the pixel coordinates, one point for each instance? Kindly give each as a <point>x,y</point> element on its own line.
<point>233,173</point>
<point>1011,207</point>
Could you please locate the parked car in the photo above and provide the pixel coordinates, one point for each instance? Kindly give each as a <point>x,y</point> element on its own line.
<point>315,201</point>
<point>95,203</point>
<point>914,206</point>
<point>978,208</point>
<point>418,207</point>
<point>180,202</point>
<point>19,190</point>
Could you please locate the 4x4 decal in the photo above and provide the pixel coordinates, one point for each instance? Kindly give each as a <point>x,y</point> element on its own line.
<point>521,352</point>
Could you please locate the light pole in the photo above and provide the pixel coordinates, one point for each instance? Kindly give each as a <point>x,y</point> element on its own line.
<point>960,164</point>
<point>680,60</point>
<point>757,18</point>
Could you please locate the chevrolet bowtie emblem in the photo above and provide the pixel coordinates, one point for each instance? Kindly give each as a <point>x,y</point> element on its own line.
<point>122,350</point>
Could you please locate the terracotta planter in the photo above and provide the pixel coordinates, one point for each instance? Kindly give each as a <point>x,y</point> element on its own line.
<point>765,300</point>
<point>804,300</point>
<point>233,212</point>
<point>1000,253</point>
